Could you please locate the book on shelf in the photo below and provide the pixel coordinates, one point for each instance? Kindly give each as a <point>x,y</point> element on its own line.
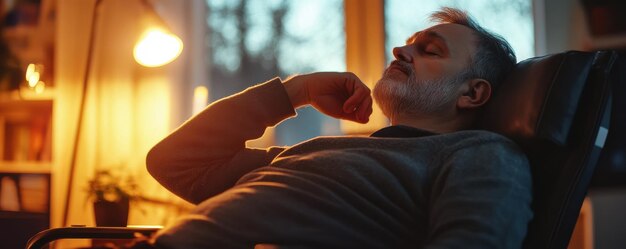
<point>26,140</point>
<point>25,193</point>
<point>2,139</point>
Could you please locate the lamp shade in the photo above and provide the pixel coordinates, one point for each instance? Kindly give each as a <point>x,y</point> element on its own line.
<point>157,47</point>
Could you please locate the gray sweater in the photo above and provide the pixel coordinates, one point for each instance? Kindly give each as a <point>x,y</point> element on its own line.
<point>467,189</point>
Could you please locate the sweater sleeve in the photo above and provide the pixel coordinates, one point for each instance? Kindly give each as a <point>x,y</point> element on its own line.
<point>481,198</point>
<point>207,155</point>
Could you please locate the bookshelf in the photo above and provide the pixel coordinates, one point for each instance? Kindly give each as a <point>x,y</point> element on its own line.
<point>25,130</point>
<point>25,162</point>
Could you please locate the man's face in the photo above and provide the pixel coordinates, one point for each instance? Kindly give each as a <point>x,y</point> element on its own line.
<point>426,76</point>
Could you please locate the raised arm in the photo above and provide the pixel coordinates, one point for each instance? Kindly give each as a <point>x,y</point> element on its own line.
<point>207,154</point>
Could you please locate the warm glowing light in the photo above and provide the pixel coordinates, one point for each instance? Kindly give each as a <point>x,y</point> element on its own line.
<point>40,87</point>
<point>200,99</point>
<point>33,78</point>
<point>33,73</point>
<point>30,70</point>
<point>157,48</point>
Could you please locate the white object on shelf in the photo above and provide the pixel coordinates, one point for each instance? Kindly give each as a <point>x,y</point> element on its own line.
<point>8,195</point>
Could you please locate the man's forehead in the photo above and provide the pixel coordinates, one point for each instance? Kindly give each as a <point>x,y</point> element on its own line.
<point>444,31</point>
<point>423,34</point>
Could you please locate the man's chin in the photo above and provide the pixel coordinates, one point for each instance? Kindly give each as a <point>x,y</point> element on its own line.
<point>391,80</point>
<point>385,92</point>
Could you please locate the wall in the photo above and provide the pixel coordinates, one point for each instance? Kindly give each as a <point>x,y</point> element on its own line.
<point>562,26</point>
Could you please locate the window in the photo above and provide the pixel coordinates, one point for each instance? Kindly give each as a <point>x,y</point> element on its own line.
<point>256,40</point>
<point>512,19</point>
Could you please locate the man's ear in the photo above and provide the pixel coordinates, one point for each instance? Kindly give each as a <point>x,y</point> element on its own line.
<point>475,94</point>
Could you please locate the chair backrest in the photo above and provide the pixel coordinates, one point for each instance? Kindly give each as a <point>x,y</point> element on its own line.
<point>557,108</point>
<point>610,172</point>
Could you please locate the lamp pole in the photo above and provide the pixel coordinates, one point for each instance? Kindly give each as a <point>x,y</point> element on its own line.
<point>81,111</point>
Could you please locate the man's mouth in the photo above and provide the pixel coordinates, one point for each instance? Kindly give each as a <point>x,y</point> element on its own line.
<point>396,65</point>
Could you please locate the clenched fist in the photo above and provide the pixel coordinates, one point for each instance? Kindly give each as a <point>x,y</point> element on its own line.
<point>339,95</point>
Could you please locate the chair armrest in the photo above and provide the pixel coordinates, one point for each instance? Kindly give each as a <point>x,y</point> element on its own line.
<point>44,237</point>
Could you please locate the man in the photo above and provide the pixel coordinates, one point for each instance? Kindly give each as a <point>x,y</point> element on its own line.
<point>427,181</point>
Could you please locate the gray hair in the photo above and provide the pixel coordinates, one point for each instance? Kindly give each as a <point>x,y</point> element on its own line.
<point>494,57</point>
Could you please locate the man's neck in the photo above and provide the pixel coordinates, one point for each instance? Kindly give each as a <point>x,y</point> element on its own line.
<point>432,124</point>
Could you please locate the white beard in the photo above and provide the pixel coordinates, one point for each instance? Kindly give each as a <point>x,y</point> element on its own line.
<point>415,97</point>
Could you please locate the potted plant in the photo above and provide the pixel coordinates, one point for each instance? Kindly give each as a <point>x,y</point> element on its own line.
<point>111,194</point>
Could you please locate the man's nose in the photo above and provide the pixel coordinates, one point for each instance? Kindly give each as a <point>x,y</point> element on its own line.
<point>403,54</point>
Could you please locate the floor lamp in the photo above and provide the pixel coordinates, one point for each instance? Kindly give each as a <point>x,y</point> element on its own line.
<point>156,47</point>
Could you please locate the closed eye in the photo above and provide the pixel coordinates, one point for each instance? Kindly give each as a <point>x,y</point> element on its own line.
<point>432,50</point>
<point>431,53</point>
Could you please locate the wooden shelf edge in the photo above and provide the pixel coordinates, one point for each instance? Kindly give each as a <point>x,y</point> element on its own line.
<point>25,167</point>
<point>25,94</point>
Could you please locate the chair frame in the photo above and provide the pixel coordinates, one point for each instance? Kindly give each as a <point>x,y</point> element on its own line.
<point>44,237</point>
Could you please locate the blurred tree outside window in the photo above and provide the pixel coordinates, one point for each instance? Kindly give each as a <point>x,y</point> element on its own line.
<point>512,19</point>
<point>252,41</point>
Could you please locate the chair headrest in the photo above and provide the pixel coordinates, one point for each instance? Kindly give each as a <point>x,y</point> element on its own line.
<point>539,99</point>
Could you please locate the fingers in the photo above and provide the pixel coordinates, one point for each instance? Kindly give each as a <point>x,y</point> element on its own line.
<point>358,106</point>
<point>339,95</point>
<point>364,110</point>
<point>358,92</point>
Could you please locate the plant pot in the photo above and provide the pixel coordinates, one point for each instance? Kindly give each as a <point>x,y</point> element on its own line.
<point>111,214</point>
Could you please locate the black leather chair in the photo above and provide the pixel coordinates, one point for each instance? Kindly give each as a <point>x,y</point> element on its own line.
<point>556,107</point>
<point>610,174</point>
